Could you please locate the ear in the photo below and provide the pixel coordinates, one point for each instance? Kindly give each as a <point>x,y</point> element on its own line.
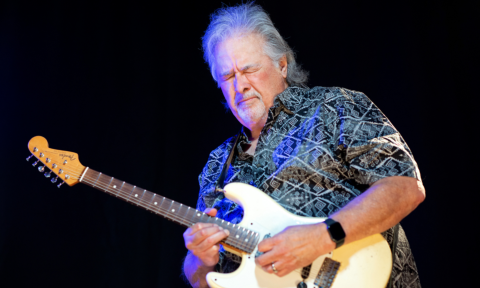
<point>283,65</point>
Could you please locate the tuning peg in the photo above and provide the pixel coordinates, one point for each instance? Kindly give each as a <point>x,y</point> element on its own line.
<point>54,179</point>
<point>41,168</point>
<point>60,184</point>
<point>28,158</point>
<point>35,164</point>
<point>47,174</point>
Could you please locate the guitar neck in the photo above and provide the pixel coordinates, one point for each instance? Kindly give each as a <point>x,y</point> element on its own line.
<point>240,238</point>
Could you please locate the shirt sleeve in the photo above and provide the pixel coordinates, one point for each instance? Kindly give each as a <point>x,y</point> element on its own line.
<point>208,198</point>
<point>371,146</point>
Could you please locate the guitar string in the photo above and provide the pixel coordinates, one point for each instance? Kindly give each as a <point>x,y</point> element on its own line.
<point>120,194</point>
<point>123,195</point>
<point>148,205</point>
<point>103,185</point>
<point>298,270</point>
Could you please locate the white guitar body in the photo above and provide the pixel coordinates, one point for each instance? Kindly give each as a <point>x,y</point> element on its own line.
<point>364,263</point>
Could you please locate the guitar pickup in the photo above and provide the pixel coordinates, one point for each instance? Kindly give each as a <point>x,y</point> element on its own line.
<point>327,273</point>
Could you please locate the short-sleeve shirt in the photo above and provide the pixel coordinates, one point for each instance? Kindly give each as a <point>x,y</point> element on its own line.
<point>319,149</point>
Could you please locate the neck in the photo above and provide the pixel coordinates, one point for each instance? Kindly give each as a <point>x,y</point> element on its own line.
<point>254,130</point>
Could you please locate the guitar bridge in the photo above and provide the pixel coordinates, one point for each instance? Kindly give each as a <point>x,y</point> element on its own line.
<point>327,273</point>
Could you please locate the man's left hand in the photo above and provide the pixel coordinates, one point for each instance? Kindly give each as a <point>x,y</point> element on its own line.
<point>295,247</point>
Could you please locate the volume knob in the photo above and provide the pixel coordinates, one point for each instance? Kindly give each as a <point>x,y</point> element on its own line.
<point>302,285</point>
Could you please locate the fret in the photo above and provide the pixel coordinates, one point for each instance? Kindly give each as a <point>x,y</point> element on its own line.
<point>160,206</point>
<point>168,210</point>
<point>115,186</point>
<point>207,218</point>
<point>185,216</point>
<point>255,241</point>
<point>132,193</point>
<point>127,191</point>
<point>135,196</point>
<point>251,240</point>
<point>201,218</point>
<point>182,215</point>
<point>195,214</point>
<point>247,237</point>
<point>120,190</point>
<point>106,189</point>
<point>102,180</point>
<point>147,199</point>
<point>242,235</point>
<point>176,211</point>
<point>97,180</point>
<point>166,206</point>
<point>154,202</point>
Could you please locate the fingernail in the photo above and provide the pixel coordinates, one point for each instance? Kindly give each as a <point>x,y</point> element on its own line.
<point>227,232</point>
<point>220,228</point>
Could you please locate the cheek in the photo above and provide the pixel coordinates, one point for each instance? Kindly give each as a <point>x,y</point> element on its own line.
<point>228,92</point>
<point>259,80</point>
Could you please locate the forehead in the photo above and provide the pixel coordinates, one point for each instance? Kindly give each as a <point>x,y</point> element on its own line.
<point>239,51</point>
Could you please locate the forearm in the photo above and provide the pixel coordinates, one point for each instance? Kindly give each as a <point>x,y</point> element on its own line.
<point>382,206</point>
<point>196,272</point>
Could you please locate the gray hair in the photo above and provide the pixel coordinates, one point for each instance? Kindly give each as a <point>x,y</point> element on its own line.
<point>250,18</point>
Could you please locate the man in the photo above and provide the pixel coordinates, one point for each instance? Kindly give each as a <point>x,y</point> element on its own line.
<point>321,152</point>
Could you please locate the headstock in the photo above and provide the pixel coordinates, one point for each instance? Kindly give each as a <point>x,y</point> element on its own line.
<point>57,164</point>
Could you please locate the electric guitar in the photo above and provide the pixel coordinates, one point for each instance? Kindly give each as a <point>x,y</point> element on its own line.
<point>361,264</point>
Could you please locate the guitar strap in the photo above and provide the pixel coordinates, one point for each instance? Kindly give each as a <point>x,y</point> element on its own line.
<point>395,240</point>
<point>221,179</point>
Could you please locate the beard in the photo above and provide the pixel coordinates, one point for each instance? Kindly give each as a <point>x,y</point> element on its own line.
<point>252,112</point>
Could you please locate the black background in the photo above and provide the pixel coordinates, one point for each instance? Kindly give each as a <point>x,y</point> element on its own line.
<point>124,85</point>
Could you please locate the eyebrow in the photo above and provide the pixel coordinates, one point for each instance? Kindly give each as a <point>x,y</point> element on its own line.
<point>248,66</point>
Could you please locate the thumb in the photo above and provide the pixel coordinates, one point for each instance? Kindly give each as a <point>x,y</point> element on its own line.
<point>211,212</point>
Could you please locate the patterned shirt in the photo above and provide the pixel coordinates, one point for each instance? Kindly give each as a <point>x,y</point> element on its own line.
<point>319,149</point>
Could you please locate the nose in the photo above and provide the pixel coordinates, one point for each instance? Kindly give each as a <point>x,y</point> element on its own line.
<point>242,85</point>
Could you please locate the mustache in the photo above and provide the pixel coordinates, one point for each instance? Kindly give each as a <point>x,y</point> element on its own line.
<point>252,93</point>
<point>249,94</point>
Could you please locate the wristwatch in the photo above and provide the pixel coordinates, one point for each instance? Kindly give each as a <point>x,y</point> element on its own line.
<point>336,232</point>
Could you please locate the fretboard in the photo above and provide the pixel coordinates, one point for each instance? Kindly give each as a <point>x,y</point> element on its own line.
<point>239,238</point>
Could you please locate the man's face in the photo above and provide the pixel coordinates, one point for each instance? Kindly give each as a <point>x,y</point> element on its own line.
<point>248,78</point>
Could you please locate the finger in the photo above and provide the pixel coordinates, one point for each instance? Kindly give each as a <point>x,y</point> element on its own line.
<point>281,268</point>
<point>202,234</point>
<point>267,244</point>
<point>212,240</point>
<point>267,258</point>
<point>269,267</point>
<point>197,227</point>
<point>211,212</point>
<point>209,257</point>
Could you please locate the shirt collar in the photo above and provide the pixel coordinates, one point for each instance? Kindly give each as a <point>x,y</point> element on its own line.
<point>289,98</point>
<point>286,102</point>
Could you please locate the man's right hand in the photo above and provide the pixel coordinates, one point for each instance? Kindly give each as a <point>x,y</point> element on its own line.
<point>202,240</point>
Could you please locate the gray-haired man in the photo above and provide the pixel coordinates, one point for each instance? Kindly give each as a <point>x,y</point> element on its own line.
<point>321,152</point>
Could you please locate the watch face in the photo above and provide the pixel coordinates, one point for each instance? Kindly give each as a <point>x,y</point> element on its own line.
<point>336,231</point>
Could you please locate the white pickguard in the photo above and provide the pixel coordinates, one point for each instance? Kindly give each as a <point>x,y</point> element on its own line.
<point>364,263</point>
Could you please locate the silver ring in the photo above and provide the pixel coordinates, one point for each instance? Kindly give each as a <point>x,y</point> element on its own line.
<point>274,269</point>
